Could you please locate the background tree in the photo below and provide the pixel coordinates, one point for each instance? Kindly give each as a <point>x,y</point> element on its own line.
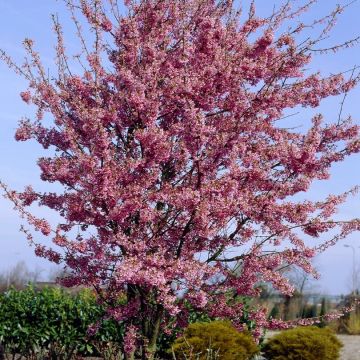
<point>19,277</point>
<point>324,308</point>
<point>297,304</point>
<point>171,151</point>
<point>275,312</point>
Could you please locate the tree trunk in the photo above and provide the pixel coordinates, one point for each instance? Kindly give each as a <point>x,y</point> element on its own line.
<point>130,356</point>
<point>2,352</point>
<point>152,327</point>
<point>151,348</point>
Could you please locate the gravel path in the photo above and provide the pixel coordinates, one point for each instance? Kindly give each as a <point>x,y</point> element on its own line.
<point>351,349</point>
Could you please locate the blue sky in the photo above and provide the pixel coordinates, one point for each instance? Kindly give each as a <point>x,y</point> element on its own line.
<point>23,18</point>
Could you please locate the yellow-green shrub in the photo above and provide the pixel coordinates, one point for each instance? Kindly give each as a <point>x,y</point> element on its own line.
<point>214,340</point>
<point>303,343</point>
<point>352,325</point>
<point>348,324</point>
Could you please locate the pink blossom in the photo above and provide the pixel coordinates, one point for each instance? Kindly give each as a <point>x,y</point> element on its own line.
<point>106,25</point>
<point>26,96</point>
<point>130,339</point>
<point>24,131</point>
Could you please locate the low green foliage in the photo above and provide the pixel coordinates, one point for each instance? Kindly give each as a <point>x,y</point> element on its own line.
<point>303,343</point>
<point>53,323</point>
<point>214,340</point>
<point>166,339</point>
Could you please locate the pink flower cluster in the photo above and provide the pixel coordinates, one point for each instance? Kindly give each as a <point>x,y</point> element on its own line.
<point>130,339</point>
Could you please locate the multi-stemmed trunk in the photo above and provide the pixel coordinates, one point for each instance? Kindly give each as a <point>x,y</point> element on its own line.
<point>149,320</point>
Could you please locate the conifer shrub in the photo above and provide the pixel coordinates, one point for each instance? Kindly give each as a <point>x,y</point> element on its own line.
<point>303,343</point>
<point>214,340</point>
<point>275,312</point>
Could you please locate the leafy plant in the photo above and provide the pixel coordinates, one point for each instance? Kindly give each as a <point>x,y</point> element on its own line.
<point>303,343</point>
<point>54,323</point>
<point>214,340</point>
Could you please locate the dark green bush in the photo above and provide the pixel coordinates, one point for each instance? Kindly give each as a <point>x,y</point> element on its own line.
<point>53,323</point>
<point>303,343</point>
<point>214,340</point>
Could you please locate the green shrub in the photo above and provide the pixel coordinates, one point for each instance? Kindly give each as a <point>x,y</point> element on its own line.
<point>214,340</point>
<point>303,343</point>
<point>165,339</point>
<point>54,323</point>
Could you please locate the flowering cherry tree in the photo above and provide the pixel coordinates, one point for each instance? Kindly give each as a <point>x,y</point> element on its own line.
<point>176,168</point>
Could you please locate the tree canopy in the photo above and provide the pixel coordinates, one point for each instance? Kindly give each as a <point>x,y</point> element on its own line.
<point>176,168</point>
